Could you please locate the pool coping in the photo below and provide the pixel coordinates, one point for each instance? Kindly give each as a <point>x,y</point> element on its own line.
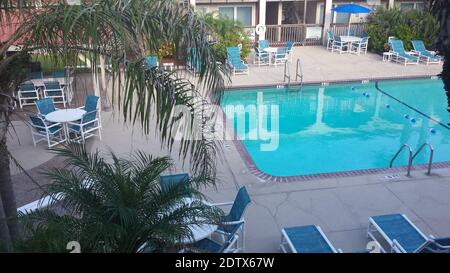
<point>251,166</point>
<point>312,83</point>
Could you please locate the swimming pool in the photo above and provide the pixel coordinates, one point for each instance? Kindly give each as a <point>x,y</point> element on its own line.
<point>340,127</point>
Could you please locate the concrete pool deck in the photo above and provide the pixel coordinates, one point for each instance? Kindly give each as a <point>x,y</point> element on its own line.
<point>341,206</point>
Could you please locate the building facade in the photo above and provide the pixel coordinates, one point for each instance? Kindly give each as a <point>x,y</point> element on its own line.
<point>306,12</point>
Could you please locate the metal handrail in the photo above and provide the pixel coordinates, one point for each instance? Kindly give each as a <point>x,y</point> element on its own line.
<point>430,160</point>
<point>297,74</point>
<point>409,158</point>
<point>287,73</point>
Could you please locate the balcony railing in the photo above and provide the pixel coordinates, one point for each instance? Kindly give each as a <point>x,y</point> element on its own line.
<point>342,29</point>
<point>278,35</point>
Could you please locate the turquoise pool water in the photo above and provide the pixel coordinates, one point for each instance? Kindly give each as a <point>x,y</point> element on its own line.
<point>341,127</point>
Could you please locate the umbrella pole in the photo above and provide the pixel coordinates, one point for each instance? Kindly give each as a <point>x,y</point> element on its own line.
<point>348,28</point>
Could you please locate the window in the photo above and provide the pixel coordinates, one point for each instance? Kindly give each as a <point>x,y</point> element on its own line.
<point>227,12</point>
<point>406,6</point>
<point>321,7</point>
<point>240,14</point>
<point>244,15</point>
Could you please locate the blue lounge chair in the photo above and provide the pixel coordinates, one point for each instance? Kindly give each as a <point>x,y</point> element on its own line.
<point>42,131</point>
<point>400,55</point>
<point>152,61</point>
<point>425,55</point>
<point>27,94</point>
<point>45,106</point>
<point>234,61</point>
<point>55,91</point>
<point>168,181</point>
<point>305,239</point>
<point>263,44</point>
<point>236,214</point>
<point>396,233</point>
<point>86,127</point>
<point>230,244</point>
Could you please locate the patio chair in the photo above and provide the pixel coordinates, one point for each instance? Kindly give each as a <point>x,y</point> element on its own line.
<point>305,239</point>
<point>234,61</point>
<point>230,244</point>
<point>290,49</point>
<point>339,45</point>
<point>351,33</point>
<point>27,94</point>
<point>174,180</point>
<point>425,55</point>
<point>261,57</point>
<point>263,44</point>
<point>55,91</point>
<point>45,106</point>
<point>396,233</point>
<point>152,61</point>
<point>235,216</point>
<point>361,46</point>
<point>35,75</point>
<point>86,127</point>
<point>41,131</point>
<point>281,56</point>
<point>193,62</point>
<point>330,38</point>
<point>90,103</point>
<point>400,55</point>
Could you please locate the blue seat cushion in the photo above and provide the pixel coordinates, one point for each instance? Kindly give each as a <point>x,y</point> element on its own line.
<point>28,94</point>
<point>308,239</point>
<point>396,227</point>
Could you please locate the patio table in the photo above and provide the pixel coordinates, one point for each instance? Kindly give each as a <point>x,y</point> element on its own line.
<point>349,40</point>
<point>64,116</point>
<point>200,231</point>
<point>272,51</point>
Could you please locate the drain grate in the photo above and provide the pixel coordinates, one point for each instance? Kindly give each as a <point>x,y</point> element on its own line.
<point>391,177</point>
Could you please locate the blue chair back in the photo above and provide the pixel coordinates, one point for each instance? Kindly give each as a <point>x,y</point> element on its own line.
<point>233,55</point>
<point>240,204</point>
<point>45,106</point>
<point>364,34</point>
<point>90,103</point>
<point>330,35</point>
<point>59,74</point>
<point>263,44</point>
<point>289,45</point>
<point>337,38</point>
<point>397,46</point>
<point>418,45</point>
<point>27,87</point>
<point>152,61</point>
<point>88,117</point>
<point>351,33</point>
<point>364,40</point>
<point>38,122</point>
<point>169,181</point>
<point>35,75</point>
<point>52,85</point>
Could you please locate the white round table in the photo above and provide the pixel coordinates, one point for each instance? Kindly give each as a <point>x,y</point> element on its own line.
<point>64,116</point>
<point>200,231</point>
<point>271,51</point>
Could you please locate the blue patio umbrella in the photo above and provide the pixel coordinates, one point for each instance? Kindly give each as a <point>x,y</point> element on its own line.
<point>351,8</point>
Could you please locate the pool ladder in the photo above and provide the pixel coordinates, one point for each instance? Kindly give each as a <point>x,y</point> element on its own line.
<point>412,156</point>
<point>298,73</point>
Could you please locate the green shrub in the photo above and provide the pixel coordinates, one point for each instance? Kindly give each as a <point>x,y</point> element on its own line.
<point>228,33</point>
<point>405,25</point>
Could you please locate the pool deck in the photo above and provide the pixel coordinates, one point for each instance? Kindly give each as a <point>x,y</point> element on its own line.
<point>340,206</point>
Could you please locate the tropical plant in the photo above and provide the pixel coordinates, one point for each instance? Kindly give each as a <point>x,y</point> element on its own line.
<point>228,33</point>
<point>122,31</point>
<point>405,25</point>
<point>442,11</point>
<point>113,205</point>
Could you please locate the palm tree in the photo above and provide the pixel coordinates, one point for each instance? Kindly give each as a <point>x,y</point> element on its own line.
<point>113,205</point>
<point>122,31</point>
<point>442,10</point>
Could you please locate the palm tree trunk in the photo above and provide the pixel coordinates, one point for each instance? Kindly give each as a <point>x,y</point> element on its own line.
<point>8,208</point>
